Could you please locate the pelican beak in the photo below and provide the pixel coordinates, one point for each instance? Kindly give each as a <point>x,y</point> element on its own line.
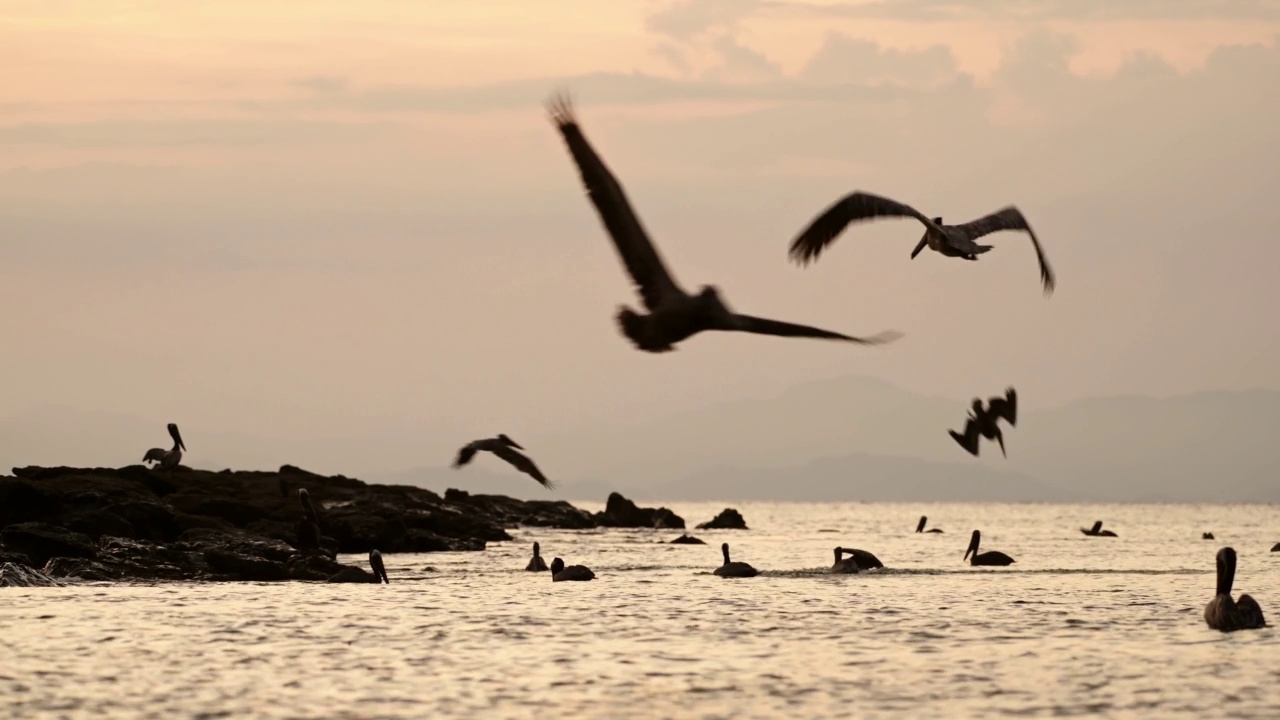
<point>177,437</point>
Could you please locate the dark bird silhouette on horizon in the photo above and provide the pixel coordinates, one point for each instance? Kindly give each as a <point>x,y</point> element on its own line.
<point>985,422</point>
<point>991,557</point>
<point>167,458</point>
<point>1097,531</point>
<point>733,569</point>
<point>379,570</point>
<point>1223,613</point>
<point>949,240</point>
<point>536,563</point>
<point>857,561</point>
<point>674,314</point>
<point>560,573</point>
<point>920,527</point>
<point>507,449</point>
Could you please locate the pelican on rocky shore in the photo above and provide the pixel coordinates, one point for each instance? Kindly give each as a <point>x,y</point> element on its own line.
<point>507,449</point>
<point>379,570</point>
<point>1097,531</point>
<point>536,563</point>
<point>674,314</point>
<point>949,240</point>
<point>167,458</point>
<point>734,569</point>
<point>560,573</point>
<point>1223,613</point>
<point>991,557</point>
<point>920,527</point>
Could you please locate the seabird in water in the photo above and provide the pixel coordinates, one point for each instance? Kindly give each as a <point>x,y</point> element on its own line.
<point>734,569</point>
<point>985,422</point>
<point>991,557</point>
<point>1206,536</point>
<point>950,240</point>
<point>379,570</point>
<point>507,449</point>
<point>561,573</point>
<point>1223,613</point>
<point>1097,531</point>
<point>920,527</point>
<point>536,563</point>
<point>674,314</point>
<point>167,458</point>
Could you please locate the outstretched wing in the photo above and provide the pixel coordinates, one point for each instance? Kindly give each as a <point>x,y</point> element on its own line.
<point>969,440</point>
<point>764,326</point>
<point>640,257</point>
<point>1005,407</point>
<point>854,207</point>
<point>1011,218</point>
<point>522,463</point>
<point>467,452</point>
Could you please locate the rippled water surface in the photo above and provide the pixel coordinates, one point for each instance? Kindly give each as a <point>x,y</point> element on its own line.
<point>1077,627</point>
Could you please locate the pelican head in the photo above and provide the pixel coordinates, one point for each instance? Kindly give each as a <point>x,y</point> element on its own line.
<point>536,550</point>
<point>973,544</point>
<point>977,406</point>
<point>506,440</point>
<point>839,552</point>
<point>556,565</point>
<point>177,436</point>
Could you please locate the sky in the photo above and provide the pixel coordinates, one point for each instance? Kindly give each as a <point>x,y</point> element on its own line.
<point>331,219</point>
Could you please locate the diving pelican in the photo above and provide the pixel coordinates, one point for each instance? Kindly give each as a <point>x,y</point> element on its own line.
<point>167,458</point>
<point>920,528</point>
<point>674,314</point>
<point>307,528</point>
<point>991,557</point>
<point>1223,613</point>
<point>734,569</point>
<point>949,240</point>
<point>1097,531</point>
<point>507,449</point>
<point>379,570</point>
<point>536,563</point>
<point>574,572</point>
<point>985,422</point>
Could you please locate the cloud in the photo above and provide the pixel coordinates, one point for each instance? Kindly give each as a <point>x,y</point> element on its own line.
<point>740,63</point>
<point>686,20</point>
<point>1031,11</point>
<point>322,83</point>
<point>845,59</point>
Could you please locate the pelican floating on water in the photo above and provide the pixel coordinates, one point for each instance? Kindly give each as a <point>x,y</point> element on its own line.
<point>674,314</point>
<point>560,573</point>
<point>991,557</point>
<point>536,563</point>
<point>857,561</point>
<point>379,570</point>
<point>920,527</point>
<point>949,240</point>
<point>734,569</point>
<point>507,449</point>
<point>1223,613</point>
<point>1097,531</point>
<point>167,458</point>
<point>1206,536</point>
<point>985,422</point>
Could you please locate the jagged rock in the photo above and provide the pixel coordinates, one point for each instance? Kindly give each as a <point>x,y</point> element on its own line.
<point>621,512</point>
<point>531,513</point>
<point>12,575</point>
<point>728,519</point>
<point>41,542</point>
<point>688,540</point>
<point>311,566</point>
<point>96,523</point>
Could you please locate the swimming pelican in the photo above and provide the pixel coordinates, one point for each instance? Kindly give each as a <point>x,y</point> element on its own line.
<point>379,570</point>
<point>1097,531</point>
<point>991,557</point>
<point>949,240</point>
<point>920,528</point>
<point>536,563</point>
<point>734,569</point>
<point>985,422</point>
<point>308,528</point>
<point>863,559</point>
<point>507,449</point>
<point>167,458</point>
<point>1206,536</point>
<point>574,572</point>
<point>1223,613</point>
<point>674,314</point>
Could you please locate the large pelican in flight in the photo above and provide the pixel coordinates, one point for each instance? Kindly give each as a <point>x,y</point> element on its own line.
<point>674,314</point>
<point>949,240</point>
<point>167,458</point>
<point>507,449</point>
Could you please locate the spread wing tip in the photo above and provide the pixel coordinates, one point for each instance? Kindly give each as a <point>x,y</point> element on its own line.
<point>560,108</point>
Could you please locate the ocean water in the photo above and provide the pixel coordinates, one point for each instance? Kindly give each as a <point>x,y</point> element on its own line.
<point>1078,627</point>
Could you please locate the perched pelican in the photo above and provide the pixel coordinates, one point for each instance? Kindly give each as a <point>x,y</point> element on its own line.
<point>1097,531</point>
<point>985,422</point>
<point>1223,613</point>
<point>920,528</point>
<point>507,449</point>
<point>991,557</point>
<point>536,563</point>
<point>379,570</point>
<point>167,458</point>
<point>949,240</point>
<point>1206,536</point>
<point>734,569</point>
<point>308,528</point>
<point>574,572</point>
<point>674,314</point>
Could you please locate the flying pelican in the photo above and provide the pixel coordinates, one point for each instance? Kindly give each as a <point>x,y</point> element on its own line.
<point>1223,613</point>
<point>734,569</point>
<point>167,458</point>
<point>536,563</point>
<point>985,423</point>
<point>308,528</point>
<point>379,570</point>
<point>920,528</point>
<point>991,557</point>
<point>950,240</point>
<point>674,314</point>
<point>574,572</point>
<point>507,449</point>
<point>1097,531</point>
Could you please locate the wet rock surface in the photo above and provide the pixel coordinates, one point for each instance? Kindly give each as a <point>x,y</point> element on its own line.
<point>728,519</point>
<point>688,540</point>
<point>620,512</point>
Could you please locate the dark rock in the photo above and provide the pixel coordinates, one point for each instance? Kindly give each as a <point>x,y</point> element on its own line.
<point>687,540</point>
<point>728,519</point>
<point>236,512</point>
<point>150,520</point>
<point>621,512</point>
<point>12,575</point>
<point>241,566</point>
<point>310,566</point>
<point>22,501</point>
<point>96,523</point>
<point>41,541</point>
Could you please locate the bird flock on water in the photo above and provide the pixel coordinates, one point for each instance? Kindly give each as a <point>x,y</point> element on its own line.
<point>672,315</point>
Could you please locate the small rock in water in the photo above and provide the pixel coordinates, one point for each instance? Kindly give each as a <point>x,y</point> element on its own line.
<point>687,540</point>
<point>728,519</point>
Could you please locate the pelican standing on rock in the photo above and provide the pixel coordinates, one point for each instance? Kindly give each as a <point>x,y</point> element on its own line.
<point>949,240</point>
<point>920,527</point>
<point>1097,531</point>
<point>379,570</point>
<point>167,458</point>
<point>985,422</point>
<point>536,563</point>
<point>991,557</point>
<point>674,314</point>
<point>507,449</point>
<point>1223,613</point>
<point>560,573</point>
<point>734,569</point>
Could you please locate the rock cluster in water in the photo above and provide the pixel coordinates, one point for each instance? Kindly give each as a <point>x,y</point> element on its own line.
<point>728,519</point>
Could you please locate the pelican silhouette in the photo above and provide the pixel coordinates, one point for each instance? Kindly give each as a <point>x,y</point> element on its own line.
<point>991,557</point>
<point>857,561</point>
<point>307,529</point>
<point>734,569</point>
<point>560,573</point>
<point>1223,613</point>
<point>167,458</point>
<point>1206,536</point>
<point>674,314</point>
<point>1097,531</point>
<point>379,570</point>
<point>536,563</point>
<point>985,422</point>
<point>949,240</point>
<point>507,449</point>
<point>920,527</point>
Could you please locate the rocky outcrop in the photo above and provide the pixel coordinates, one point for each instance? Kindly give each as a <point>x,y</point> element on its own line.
<point>620,512</point>
<point>728,519</point>
<point>687,540</point>
<point>15,575</point>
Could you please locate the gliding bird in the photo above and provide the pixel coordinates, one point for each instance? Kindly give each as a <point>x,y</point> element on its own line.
<point>507,449</point>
